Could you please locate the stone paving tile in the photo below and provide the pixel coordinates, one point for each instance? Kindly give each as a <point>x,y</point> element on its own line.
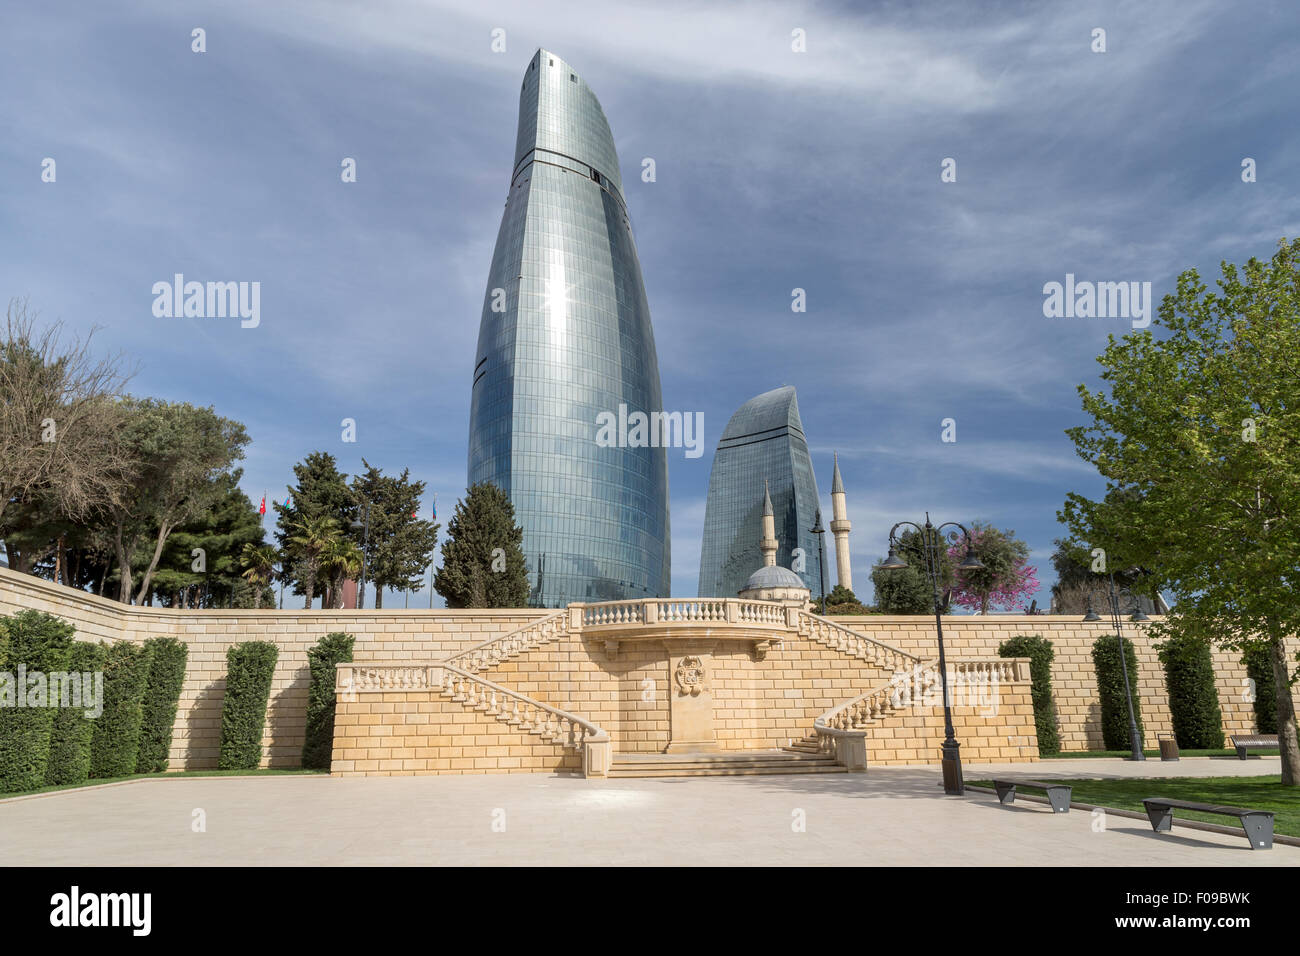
<point>894,816</point>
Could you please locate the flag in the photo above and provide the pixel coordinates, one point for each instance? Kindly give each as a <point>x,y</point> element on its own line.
<point>435,507</point>
<point>288,502</point>
<point>262,509</point>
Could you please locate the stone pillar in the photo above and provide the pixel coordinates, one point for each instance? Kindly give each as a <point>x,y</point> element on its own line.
<point>840,527</point>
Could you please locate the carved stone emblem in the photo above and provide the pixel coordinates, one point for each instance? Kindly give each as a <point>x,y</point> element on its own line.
<point>690,675</point>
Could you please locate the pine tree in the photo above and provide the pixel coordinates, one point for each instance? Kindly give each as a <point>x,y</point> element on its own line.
<point>400,544</point>
<point>321,492</point>
<point>482,558</point>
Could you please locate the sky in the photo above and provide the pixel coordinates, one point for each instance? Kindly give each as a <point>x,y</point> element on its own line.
<point>776,169</point>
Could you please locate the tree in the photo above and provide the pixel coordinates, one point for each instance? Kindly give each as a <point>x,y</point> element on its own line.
<point>322,491</point>
<point>177,451</point>
<point>312,538</point>
<point>1204,425</point>
<point>400,544</point>
<point>482,558</point>
<point>339,559</point>
<point>58,419</point>
<point>908,590</point>
<point>258,562</point>
<point>843,601</point>
<point>214,540</point>
<point>1005,581</point>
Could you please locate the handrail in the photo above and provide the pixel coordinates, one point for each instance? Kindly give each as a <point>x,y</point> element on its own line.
<point>454,685</point>
<point>679,611</point>
<point>879,700</point>
<point>496,649</point>
<point>855,643</point>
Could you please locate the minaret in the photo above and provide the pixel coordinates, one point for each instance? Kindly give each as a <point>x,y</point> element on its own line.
<point>840,527</point>
<point>769,543</point>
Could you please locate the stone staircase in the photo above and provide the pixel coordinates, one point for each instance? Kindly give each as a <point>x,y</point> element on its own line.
<point>737,763</point>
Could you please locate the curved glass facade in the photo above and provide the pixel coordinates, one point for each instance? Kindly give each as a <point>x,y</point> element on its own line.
<point>763,441</point>
<point>564,336</point>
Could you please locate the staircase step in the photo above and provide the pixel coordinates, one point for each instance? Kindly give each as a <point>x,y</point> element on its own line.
<point>727,771</point>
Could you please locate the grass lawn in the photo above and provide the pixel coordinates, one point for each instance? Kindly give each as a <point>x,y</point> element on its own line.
<point>263,772</point>
<point>1260,793</point>
<point>1156,753</point>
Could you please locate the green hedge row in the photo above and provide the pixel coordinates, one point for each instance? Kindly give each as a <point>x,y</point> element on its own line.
<point>249,667</point>
<point>1259,668</point>
<point>1040,653</point>
<point>74,727</point>
<point>1193,698</point>
<point>1110,688</point>
<point>35,642</point>
<point>116,741</point>
<point>318,745</point>
<point>162,697</point>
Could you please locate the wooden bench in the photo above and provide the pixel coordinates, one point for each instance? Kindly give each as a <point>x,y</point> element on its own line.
<point>1244,742</point>
<point>1258,824</point>
<point>1058,794</point>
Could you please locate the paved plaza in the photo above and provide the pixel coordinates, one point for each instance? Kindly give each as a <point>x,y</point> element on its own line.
<point>894,816</point>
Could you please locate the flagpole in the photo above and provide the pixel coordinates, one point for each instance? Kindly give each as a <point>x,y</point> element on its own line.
<point>434,557</point>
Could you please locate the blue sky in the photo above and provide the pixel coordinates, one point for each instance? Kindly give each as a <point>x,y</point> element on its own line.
<point>775,170</point>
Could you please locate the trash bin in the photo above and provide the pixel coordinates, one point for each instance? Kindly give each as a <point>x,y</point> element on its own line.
<point>1168,747</point>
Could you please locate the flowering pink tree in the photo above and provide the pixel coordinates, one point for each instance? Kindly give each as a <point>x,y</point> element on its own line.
<point>1007,579</point>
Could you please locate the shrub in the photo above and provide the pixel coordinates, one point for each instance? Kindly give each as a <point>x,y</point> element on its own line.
<point>1040,653</point>
<point>1259,668</point>
<point>249,668</point>
<point>1110,688</point>
<point>161,698</point>
<point>1193,698</point>
<point>74,728</point>
<point>36,642</point>
<point>116,739</point>
<point>318,747</point>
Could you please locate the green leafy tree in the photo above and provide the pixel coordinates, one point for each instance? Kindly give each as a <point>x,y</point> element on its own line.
<point>482,558</point>
<point>318,738</point>
<point>178,451</point>
<point>258,562</point>
<point>321,492</point>
<point>312,539</point>
<point>42,643</point>
<point>219,534</point>
<point>340,559</point>
<point>843,601</point>
<point>1203,423</point>
<point>908,590</point>
<point>400,544</point>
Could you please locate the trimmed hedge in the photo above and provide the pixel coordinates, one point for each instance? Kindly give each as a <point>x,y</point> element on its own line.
<point>74,728</point>
<point>39,643</point>
<point>1040,653</point>
<point>318,746</point>
<point>161,697</point>
<point>1193,698</point>
<point>116,740</point>
<point>1110,688</point>
<point>1258,659</point>
<point>249,667</point>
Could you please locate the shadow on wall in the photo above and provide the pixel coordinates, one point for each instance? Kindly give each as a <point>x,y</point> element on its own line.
<point>203,728</point>
<point>287,708</point>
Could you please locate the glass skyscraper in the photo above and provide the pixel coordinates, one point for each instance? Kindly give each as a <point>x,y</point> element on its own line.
<point>565,335</point>
<point>764,441</point>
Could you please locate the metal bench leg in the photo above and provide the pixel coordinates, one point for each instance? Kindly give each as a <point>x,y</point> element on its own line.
<point>1060,799</point>
<point>1162,818</point>
<point>1241,752</point>
<point>1005,794</point>
<point>1259,830</point>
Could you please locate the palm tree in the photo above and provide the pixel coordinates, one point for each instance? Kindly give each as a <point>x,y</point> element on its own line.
<point>340,559</point>
<point>258,562</point>
<point>311,537</point>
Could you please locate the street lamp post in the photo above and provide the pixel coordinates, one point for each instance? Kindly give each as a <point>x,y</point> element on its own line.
<point>364,528</point>
<point>932,549</point>
<point>1112,596</point>
<point>818,530</point>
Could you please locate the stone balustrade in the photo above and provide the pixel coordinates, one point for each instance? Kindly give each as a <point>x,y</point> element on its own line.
<point>377,678</point>
<point>494,650</point>
<point>668,612</point>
